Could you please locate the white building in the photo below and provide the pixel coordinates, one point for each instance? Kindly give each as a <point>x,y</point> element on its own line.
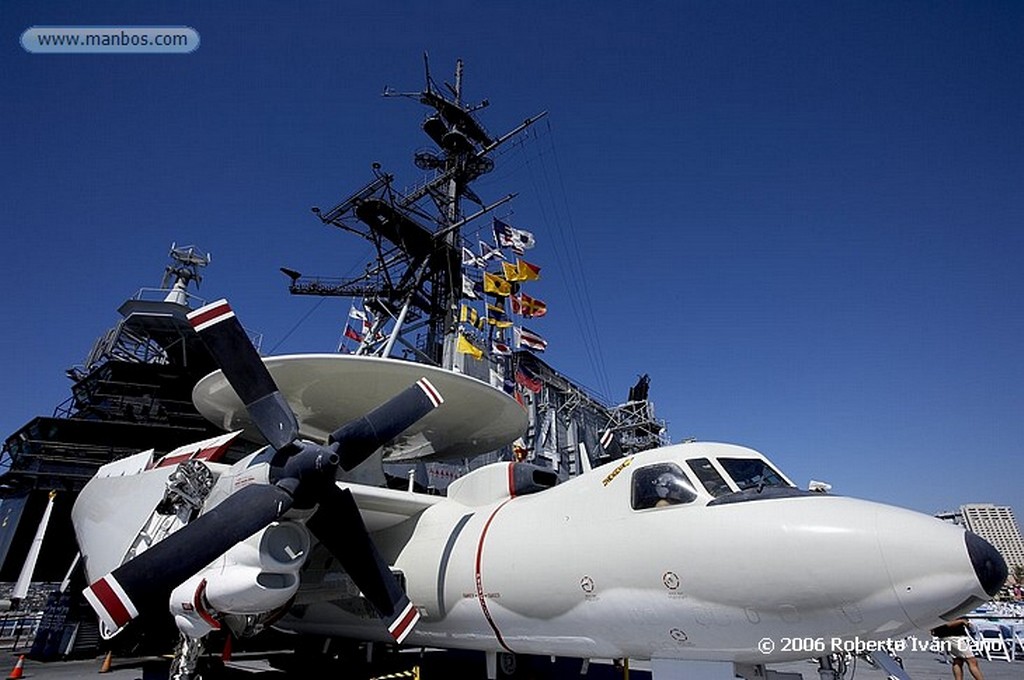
<point>996,524</point>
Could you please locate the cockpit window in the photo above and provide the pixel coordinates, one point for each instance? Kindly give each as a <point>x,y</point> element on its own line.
<point>709,477</point>
<point>751,473</point>
<point>661,485</point>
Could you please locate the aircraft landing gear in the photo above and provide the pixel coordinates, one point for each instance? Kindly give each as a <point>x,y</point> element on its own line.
<point>507,665</point>
<point>502,662</point>
<point>186,658</point>
<point>827,669</point>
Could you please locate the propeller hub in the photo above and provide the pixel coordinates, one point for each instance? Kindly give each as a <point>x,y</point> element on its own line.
<point>305,471</point>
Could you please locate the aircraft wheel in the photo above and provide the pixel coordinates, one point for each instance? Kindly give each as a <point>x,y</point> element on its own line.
<point>507,665</point>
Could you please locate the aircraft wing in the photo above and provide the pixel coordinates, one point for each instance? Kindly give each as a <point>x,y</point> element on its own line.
<point>384,508</point>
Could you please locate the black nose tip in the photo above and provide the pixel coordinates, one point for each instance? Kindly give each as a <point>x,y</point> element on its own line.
<point>988,564</point>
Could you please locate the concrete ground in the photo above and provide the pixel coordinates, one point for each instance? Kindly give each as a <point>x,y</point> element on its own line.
<point>919,665</point>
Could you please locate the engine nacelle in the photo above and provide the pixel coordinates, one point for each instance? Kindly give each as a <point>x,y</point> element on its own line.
<point>256,576</point>
<point>499,481</point>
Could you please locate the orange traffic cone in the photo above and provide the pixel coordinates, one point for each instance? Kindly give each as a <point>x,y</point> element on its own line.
<point>105,666</point>
<point>18,670</point>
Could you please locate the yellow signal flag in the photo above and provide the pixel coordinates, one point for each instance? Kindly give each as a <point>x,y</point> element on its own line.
<point>464,346</point>
<point>512,272</point>
<point>496,285</point>
<point>471,316</point>
<point>527,271</point>
<point>496,316</point>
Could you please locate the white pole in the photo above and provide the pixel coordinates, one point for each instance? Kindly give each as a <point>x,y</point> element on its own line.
<point>397,329</point>
<point>584,458</point>
<point>66,583</point>
<point>25,578</point>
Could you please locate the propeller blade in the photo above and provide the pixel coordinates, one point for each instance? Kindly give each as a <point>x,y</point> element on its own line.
<point>145,583</point>
<point>339,526</point>
<point>227,341</point>
<point>610,443</point>
<point>360,438</point>
<point>300,469</point>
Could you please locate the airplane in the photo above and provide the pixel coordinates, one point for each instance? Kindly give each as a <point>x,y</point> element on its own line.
<point>701,557</point>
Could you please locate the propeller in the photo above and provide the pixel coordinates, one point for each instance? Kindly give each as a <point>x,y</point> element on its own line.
<point>610,443</point>
<point>302,474</point>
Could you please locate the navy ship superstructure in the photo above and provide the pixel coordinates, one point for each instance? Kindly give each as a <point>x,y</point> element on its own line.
<point>436,297</point>
<point>133,392</point>
<point>431,297</point>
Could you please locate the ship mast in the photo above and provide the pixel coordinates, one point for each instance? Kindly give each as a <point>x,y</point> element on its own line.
<point>411,294</point>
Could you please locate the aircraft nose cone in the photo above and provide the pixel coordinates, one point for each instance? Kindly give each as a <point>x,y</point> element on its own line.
<point>988,564</point>
<point>934,570</point>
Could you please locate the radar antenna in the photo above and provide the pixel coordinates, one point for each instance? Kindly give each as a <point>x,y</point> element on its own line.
<point>186,263</point>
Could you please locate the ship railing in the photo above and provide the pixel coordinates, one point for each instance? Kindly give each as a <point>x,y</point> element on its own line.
<point>65,409</point>
<point>194,302</point>
<point>16,627</point>
<point>414,192</point>
<point>160,294</point>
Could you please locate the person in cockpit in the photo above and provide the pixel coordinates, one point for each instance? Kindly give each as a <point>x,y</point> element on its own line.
<point>659,486</point>
<point>666,486</point>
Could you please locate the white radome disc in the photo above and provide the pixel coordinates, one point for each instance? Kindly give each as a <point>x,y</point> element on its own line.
<point>328,390</point>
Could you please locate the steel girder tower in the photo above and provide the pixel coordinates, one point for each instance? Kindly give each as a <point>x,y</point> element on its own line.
<point>412,291</point>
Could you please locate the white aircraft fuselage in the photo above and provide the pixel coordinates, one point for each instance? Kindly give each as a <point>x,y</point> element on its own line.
<point>686,554</point>
<point>579,570</point>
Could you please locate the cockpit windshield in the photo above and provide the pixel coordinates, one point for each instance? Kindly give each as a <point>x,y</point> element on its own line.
<point>709,477</point>
<point>752,473</point>
<point>661,485</point>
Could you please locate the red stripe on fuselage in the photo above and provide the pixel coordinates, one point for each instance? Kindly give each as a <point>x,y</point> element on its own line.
<point>211,454</point>
<point>174,460</point>
<point>198,601</point>
<point>479,579</point>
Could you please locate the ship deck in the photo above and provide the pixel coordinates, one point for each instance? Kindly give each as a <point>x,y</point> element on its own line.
<point>437,664</point>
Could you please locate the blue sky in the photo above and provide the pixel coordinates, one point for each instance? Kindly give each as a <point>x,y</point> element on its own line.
<point>803,219</point>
